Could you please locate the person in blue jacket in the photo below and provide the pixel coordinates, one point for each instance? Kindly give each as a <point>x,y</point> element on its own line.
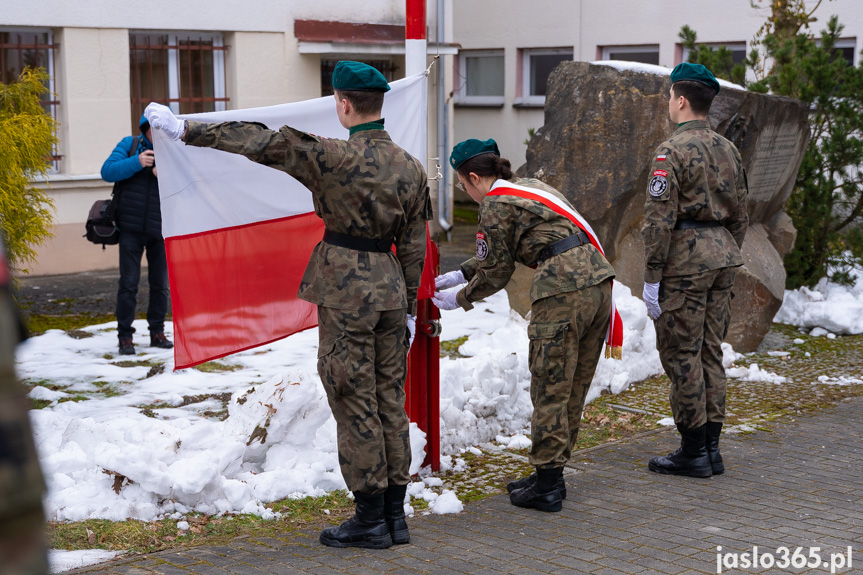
<point>139,219</point>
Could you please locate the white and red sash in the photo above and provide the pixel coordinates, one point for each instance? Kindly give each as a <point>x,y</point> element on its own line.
<point>614,338</point>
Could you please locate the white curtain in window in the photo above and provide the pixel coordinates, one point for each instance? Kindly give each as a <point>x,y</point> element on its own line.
<point>484,75</point>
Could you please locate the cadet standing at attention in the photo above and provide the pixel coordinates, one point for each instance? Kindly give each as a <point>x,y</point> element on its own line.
<point>694,222</point>
<point>372,195</point>
<point>526,221</point>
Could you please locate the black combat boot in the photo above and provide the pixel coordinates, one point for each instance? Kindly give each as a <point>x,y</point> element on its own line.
<point>713,431</point>
<point>691,459</point>
<point>542,495</point>
<point>394,513</point>
<point>531,480</point>
<point>366,528</point>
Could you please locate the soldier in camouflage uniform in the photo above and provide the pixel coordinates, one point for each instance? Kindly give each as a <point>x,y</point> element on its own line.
<point>22,538</point>
<point>694,221</point>
<point>570,303</point>
<point>372,195</point>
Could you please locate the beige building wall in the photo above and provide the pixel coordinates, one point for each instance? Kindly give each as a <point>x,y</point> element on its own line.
<point>264,66</point>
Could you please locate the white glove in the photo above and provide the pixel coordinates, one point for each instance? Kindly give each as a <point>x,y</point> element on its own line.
<point>650,295</point>
<point>162,118</point>
<point>445,299</point>
<point>449,279</point>
<point>412,329</point>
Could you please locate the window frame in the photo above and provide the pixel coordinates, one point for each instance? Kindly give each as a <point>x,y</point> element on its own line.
<point>461,98</point>
<point>174,80</point>
<point>844,44</point>
<point>606,51</point>
<point>525,98</point>
<point>733,46</point>
<point>52,103</point>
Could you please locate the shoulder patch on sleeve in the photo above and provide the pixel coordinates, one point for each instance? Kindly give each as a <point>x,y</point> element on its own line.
<point>658,183</point>
<point>481,246</point>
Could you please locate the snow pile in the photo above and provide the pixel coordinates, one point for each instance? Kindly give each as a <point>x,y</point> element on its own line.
<point>754,373</point>
<point>832,307</point>
<point>60,561</point>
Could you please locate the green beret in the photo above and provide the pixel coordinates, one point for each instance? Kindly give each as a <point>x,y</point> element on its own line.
<point>466,150</point>
<point>695,73</point>
<point>358,76</point>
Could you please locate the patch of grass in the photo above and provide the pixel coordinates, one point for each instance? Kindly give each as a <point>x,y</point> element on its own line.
<point>220,415</point>
<point>39,403</point>
<point>40,323</point>
<point>485,474</point>
<point>47,383</point>
<point>312,510</point>
<point>217,367</point>
<point>449,348</point>
<point>602,423</point>
<point>224,398</point>
<point>463,214</point>
<point>75,398</point>
<point>79,334</point>
<point>150,536</point>
<point>106,390</point>
<point>138,363</point>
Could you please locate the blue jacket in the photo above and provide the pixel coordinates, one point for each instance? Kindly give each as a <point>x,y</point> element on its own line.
<point>120,165</point>
<point>136,189</point>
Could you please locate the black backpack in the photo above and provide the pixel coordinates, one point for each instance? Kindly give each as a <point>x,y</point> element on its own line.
<point>101,227</point>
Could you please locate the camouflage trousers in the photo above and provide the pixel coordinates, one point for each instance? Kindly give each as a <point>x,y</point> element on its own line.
<point>567,332</point>
<point>696,311</point>
<point>22,538</point>
<point>362,359</point>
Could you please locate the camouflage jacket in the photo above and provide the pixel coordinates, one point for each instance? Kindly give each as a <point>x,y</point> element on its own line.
<point>21,483</point>
<point>695,175</point>
<point>514,229</point>
<point>366,187</point>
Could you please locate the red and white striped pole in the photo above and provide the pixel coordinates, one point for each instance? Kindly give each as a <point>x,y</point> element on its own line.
<point>423,381</point>
<point>415,36</point>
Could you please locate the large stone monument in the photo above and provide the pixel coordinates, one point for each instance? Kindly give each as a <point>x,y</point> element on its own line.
<point>601,126</point>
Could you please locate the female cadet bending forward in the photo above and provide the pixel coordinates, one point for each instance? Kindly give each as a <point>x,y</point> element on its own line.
<point>526,221</point>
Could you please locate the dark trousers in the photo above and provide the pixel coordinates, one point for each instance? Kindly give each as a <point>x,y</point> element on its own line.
<point>132,246</point>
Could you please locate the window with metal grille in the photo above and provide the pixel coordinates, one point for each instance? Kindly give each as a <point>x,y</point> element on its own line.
<point>185,71</point>
<point>20,49</point>
<point>385,67</point>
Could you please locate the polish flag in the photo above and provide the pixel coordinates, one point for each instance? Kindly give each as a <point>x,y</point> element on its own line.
<point>239,234</point>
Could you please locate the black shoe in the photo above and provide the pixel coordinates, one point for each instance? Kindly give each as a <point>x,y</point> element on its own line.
<point>531,480</point>
<point>126,346</point>
<point>531,497</point>
<point>366,528</point>
<point>690,459</point>
<point>713,431</point>
<point>159,340</point>
<point>394,513</point>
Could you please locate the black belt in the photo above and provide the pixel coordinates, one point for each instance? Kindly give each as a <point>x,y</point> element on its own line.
<point>355,243</point>
<point>692,224</point>
<point>563,245</point>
